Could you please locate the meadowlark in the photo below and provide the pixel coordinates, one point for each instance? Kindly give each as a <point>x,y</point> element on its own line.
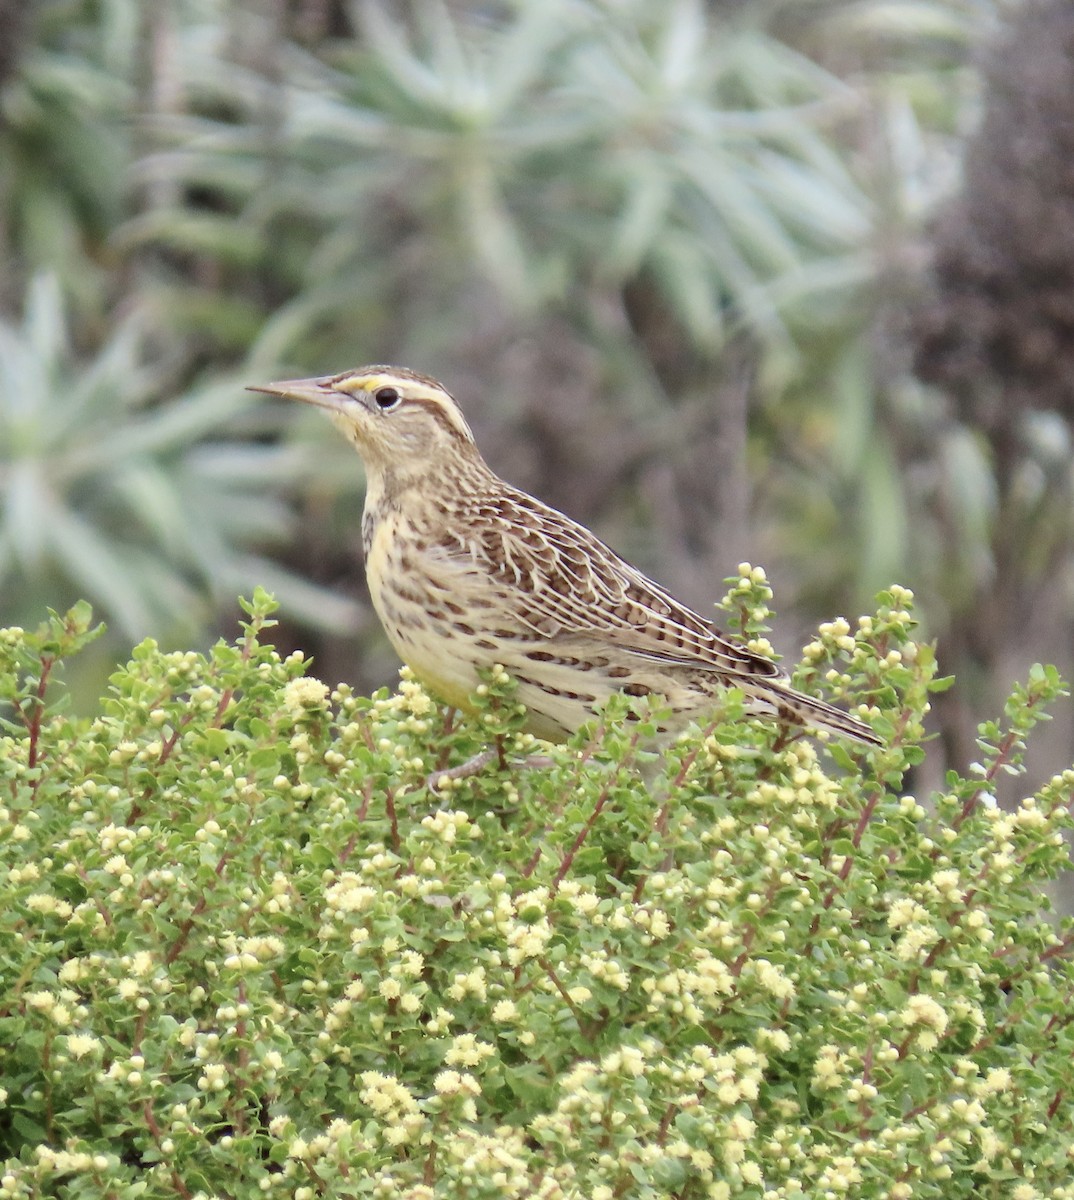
<point>466,571</point>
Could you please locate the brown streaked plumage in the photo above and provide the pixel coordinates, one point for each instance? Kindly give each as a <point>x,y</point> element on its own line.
<point>466,571</point>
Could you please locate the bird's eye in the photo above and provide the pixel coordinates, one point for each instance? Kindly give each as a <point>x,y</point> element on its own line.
<point>387,397</point>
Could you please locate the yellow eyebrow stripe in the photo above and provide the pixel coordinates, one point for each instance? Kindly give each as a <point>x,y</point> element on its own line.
<point>371,382</point>
<point>417,389</point>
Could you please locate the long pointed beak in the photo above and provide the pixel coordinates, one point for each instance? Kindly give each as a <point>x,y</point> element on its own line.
<point>318,392</point>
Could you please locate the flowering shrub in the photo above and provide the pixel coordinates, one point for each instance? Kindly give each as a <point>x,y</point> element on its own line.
<point>258,938</point>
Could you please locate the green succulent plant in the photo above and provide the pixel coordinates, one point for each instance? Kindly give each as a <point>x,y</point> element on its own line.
<point>153,504</point>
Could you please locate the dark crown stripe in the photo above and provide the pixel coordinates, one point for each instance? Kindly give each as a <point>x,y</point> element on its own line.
<point>398,372</point>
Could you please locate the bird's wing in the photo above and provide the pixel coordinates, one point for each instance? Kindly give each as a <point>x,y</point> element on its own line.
<point>573,583</point>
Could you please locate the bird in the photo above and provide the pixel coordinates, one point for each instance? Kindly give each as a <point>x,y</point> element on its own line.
<point>466,571</point>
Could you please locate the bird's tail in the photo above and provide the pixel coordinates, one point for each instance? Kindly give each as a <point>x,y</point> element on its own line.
<point>797,709</point>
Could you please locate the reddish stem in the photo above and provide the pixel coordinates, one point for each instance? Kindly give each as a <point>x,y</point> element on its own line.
<point>33,723</point>
<point>183,936</point>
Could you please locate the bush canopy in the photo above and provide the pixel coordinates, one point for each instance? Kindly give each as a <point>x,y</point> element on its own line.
<point>262,938</point>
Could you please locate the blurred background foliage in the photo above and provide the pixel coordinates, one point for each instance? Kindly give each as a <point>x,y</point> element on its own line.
<point>786,280</point>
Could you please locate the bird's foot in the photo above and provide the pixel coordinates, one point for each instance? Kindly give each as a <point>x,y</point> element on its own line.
<point>434,781</point>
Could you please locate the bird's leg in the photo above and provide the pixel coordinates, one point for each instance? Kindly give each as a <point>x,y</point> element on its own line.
<point>496,752</point>
<point>463,771</point>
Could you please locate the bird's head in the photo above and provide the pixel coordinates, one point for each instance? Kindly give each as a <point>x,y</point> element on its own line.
<point>402,423</point>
